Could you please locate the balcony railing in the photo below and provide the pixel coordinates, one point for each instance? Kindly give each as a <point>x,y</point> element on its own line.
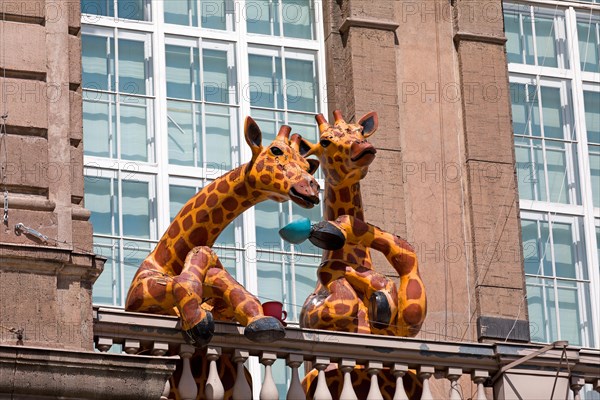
<point>464,365</point>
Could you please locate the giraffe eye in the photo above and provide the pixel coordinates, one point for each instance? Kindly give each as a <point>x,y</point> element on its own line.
<point>325,143</point>
<point>276,151</point>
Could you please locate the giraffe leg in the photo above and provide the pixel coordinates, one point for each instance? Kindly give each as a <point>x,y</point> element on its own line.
<point>246,308</point>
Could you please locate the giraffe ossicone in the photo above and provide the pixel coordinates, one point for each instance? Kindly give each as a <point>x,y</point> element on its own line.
<point>183,275</point>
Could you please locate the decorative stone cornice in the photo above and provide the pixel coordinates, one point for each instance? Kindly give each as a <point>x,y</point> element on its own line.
<point>476,37</point>
<point>380,25</point>
<point>30,371</point>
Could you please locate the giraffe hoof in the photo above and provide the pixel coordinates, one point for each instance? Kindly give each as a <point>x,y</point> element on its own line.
<point>201,333</point>
<point>380,312</point>
<point>265,330</point>
<point>327,236</point>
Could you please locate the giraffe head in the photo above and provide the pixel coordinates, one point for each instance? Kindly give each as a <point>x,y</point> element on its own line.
<point>343,148</point>
<point>278,170</point>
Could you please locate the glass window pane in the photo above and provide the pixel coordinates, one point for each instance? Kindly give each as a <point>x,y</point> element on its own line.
<point>179,195</point>
<point>181,131</point>
<point>99,124</point>
<point>526,169</point>
<point>269,122</point>
<point>98,7</point>
<point>520,108</point>
<point>537,310</point>
<point>588,46</point>
<point>216,76</point>
<point>267,225</point>
<point>552,112</point>
<point>297,19</point>
<point>564,247</point>
<point>305,279</point>
<point>213,14</point>
<point>98,62</point>
<point>300,85</point>
<point>182,72</point>
<point>528,39</point>
<point>136,209</point>
<point>262,17</point>
<point>592,115</point>
<point>265,81</point>
<point>109,280</point>
<point>594,155</point>
<point>134,128</point>
<point>134,253</point>
<point>218,137</point>
<point>100,200</point>
<point>514,44</point>
<point>132,67</point>
<point>546,42</point>
<point>133,9</point>
<point>531,246</point>
<point>557,172</point>
<point>570,319</point>
<point>551,311</point>
<point>181,12</point>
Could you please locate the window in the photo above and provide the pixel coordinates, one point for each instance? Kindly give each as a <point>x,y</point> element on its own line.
<point>138,10</point>
<point>552,55</point>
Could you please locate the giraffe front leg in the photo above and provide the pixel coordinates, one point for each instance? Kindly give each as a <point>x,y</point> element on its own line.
<point>245,307</point>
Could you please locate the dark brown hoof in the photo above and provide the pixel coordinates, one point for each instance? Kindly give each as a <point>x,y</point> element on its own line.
<point>380,312</point>
<point>327,236</point>
<point>265,330</point>
<point>201,333</point>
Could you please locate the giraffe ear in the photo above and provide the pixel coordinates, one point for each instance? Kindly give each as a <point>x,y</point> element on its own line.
<point>253,136</point>
<point>314,165</point>
<point>370,123</point>
<point>308,149</point>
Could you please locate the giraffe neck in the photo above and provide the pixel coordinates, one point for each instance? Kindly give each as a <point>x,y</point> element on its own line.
<point>204,217</point>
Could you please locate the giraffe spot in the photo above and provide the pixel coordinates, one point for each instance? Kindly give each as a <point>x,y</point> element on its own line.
<point>199,236</point>
<point>403,244</point>
<point>381,245</point>
<point>342,324</point>
<point>230,215</point>
<point>223,186</point>
<point>250,309</point>
<point>236,296</point>
<point>179,292</point>
<point>260,166</point>
<point>402,264</point>
<point>338,158</point>
<point>198,259</point>
<point>290,174</point>
<point>181,249</point>
<point>217,287</point>
<point>174,230</point>
<point>412,314</point>
<point>356,201</point>
<point>186,209</point>
<point>277,186</point>
<point>378,282</point>
<point>329,160</point>
<point>246,204</point>
<point>217,216</point>
<point>137,294</point>
<point>200,200</point>
<point>230,204</point>
<point>413,290</point>
<point>337,254</point>
<point>256,194</point>
<point>341,309</point>
<point>279,176</point>
<point>190,308</point>
<point>359,227</point>
<point>162,253</point>
<point>326,315</point>
<point>360,253</point>
<point>156,290</point>
<point>235,174</point>
<point>212,200</point>
<point>330,214</point>
<point>286,185</point>
<point>337,266</point>
<point>344,169</point>
<point>240,189</point>
<point>251,181</point>
<point>335,175</point>
<point>341,211</point>
<point>351,259</point>
<point>187,222</point>
<point>266,179</point>
<point>177,267</point>
<point>331,195</point>
<point>214,231</point>
<point>202,216</point>
<point>325,277</point>
<point>313,320</point>
<point>211,187</point>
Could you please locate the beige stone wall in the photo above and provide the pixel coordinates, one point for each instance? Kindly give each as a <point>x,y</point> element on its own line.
<point>45,288</point>
<point>444,175</point>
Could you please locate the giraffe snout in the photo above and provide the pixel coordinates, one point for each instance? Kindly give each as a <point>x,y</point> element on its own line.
<point>362,152</point>
<point>305,193</point>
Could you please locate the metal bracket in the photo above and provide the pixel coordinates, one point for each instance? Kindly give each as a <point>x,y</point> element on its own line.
<point>22,229</point>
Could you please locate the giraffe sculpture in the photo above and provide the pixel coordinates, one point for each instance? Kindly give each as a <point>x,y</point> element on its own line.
<point>350,296</point>
<point>182,271</point>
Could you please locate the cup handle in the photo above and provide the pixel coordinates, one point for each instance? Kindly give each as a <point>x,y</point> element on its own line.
<point>284,315</point>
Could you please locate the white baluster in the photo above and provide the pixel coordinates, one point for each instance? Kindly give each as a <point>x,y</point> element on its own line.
<point>347,366</point>
<point>577,382</point>
<point>104,344</point>
<point>269,389</point>
<point>166,391</point>
<point>131,346</point>
<point>159,349</point>
<point>214,389</point>
<point>373,369</point>
<point>399,371</point>
<point>425,373</point>
<point>187,385</point>
<point>295,391</point>
<point>241,387</point>
<point>453,374</point>
<point>479,376</point>
<point>322,391</point>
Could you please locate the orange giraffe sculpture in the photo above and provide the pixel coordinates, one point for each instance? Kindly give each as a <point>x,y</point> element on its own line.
<point>183,271</point>
<point>350,295</point>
